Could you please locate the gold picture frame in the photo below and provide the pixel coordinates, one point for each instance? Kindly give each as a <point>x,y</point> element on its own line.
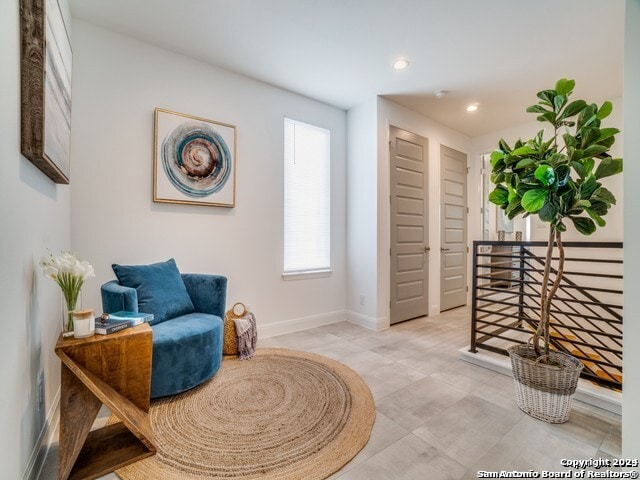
<point>194,161</point>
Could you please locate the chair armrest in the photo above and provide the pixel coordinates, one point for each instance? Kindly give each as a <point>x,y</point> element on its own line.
<point>208,292</point>
<point>115,297</point>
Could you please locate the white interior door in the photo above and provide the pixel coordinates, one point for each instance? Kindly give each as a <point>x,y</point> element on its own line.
<point>409,250</point>
<point>453,228</point>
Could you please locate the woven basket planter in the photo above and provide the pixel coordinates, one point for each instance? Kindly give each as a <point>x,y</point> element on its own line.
<point>544,391</point>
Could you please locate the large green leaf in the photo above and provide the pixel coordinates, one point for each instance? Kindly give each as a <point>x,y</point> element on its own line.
<point>547,117</point>
<point>589,135</point>
<point>563,173</point>
<point>587,116</point>
<point>514,209</point>
<point>608,167</point>
<point>600,207</point>
<point>572,109</point>
<point>533,200</point>
<point>588,187</point>
<point>504,146</point>
<point>595,150</point>
<point>497,178</point>
<point>500,196</point>
<point>605,195</point>
<point>536,109</point>
<point>523,151</point>
<point>607,132</point>
<point>605,110</point>
<point>545,174</point>
<point>569,140</point>
<point>584,225</point>
<point>565,86</point>
<point>579,168</point>
<point>557,158</point>
<point>549,210</point>
<point>547,97</point>
<point>524,187</point>
<point>588,163</point>
<point>596,218</point>
<point>559,101</point>
<point>525,162</point>
<point>496,156</point>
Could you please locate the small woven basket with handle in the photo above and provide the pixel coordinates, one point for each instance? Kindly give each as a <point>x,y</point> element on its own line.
<point>230,342</point>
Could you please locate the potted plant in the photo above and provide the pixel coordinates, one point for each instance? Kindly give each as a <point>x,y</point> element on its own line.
<point>556,179</point>
<point>70,273</point>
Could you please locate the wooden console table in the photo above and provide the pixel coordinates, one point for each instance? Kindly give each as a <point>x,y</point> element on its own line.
<point>114,370</point>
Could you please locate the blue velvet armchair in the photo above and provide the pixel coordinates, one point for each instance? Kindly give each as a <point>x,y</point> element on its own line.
<point>187,341</point>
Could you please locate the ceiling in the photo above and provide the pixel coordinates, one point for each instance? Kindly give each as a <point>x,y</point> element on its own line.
<point>497,53</point>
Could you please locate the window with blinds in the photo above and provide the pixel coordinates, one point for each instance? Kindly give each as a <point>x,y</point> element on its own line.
<point>307,198</point>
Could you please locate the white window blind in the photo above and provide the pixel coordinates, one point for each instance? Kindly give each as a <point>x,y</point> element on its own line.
<point>306,197</point>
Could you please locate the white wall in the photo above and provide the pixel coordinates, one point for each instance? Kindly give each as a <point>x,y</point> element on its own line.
<point>35,216</point>
<point>539,230</point>
<point>118,81</point>
<point>362,215</point>
<point>631,401</point>
<point>390,113</point>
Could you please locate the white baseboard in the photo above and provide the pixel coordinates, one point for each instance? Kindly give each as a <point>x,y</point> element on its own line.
<point>47,435</point>
<point>586,392</point>
<point>375,324</point>
<point>299,324</point>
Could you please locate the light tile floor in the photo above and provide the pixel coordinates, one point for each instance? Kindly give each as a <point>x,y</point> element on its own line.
<point>439,417</point>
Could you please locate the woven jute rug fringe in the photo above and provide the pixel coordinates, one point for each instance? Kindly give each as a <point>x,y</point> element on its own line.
<point>282,415</point>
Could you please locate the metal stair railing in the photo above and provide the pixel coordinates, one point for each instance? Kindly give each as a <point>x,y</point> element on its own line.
<point>586,318</point>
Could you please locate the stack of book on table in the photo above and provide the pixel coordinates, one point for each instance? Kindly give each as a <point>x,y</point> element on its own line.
<point>120,320</point>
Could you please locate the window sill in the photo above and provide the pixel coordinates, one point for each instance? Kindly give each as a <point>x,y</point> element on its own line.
<point>305,274</point>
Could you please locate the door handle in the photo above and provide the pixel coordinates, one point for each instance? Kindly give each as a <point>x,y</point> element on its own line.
<point>427,249</point>
<point>444,249</point>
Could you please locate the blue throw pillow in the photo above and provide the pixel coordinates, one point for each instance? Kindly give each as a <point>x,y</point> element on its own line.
<point>161,290</point>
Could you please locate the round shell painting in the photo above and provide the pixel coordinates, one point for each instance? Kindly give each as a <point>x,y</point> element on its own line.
<point>196,159</point>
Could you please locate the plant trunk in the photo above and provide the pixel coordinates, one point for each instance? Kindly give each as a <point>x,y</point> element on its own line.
<point>546,294</point>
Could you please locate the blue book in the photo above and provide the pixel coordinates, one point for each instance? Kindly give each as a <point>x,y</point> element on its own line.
<point>136,318</point>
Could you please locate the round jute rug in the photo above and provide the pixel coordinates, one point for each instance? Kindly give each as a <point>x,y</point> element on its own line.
<point>282,415</point>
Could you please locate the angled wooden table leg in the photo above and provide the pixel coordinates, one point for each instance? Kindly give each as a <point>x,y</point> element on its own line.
<point>111,369</point>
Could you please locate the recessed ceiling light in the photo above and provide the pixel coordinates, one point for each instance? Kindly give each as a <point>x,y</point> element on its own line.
<point>440,94</point>
<point>401,63</point>
<point>472,108</point>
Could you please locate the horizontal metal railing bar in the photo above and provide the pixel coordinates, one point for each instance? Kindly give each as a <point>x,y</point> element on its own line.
<point>529,282</point>
<point>502,309</point>
<point>617,335</point>
<point>507,243</point>
<point>537,283</point>
<point>517,254</point>
<point>517,341</point>
<point>497,281</point>
<point>591,260</point>
<point>560,299</point>
<point>588,274</point>
<point>506,292</point>
<point>613,336</point>
<point>540,270</point>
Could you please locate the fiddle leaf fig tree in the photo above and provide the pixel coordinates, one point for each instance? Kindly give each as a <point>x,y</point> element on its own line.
<point>558,179</point>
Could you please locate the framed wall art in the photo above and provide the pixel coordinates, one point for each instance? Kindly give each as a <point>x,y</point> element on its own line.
<point>45,78</point>
<point>194,160</point>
